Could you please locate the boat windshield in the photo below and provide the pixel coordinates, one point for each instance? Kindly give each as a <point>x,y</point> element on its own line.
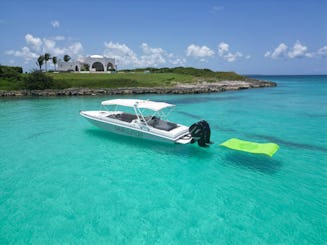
<point>162,114</point>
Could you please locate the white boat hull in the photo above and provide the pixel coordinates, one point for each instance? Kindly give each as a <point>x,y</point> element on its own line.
<point>136,130</point>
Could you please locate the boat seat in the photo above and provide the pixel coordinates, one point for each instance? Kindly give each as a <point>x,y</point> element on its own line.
<point>126,117</point>
<point>161,124</point>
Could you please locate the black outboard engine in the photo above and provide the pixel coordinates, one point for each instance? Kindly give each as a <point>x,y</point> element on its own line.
<point>200,132</point>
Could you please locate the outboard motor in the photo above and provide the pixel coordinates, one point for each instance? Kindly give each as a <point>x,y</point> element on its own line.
<point>200,132</point>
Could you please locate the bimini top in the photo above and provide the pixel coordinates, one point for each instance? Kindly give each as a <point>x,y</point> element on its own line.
<point>142,104</point>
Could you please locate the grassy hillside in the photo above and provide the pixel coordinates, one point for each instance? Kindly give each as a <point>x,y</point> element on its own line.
<point>115,80</point>
<point>204,73</point>
<point>147,77</point>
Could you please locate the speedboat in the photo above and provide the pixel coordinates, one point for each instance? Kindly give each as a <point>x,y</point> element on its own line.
<point>148,120</point>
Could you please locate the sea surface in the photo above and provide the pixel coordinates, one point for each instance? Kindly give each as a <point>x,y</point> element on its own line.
<point>64,181</point>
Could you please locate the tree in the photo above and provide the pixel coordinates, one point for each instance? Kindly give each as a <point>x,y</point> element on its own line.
<point>66,58</point>
<point>40,61</point>
<point>10,73</point>
<point>38,80</point>
<point>46,58</point>
<point>54,61</point>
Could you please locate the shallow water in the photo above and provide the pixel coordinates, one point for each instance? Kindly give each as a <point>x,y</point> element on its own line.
<point>64,181</point>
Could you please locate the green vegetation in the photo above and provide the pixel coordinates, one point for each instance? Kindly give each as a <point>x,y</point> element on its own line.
<point>116,80</point>
<point>40,61</point>
<point>11,79</point>
<point>43,59</point>
<point>66,58</point>
<point>5,70</point>
<point>38,80</point>
<point>205,73</point>
<point>46,59</point>
<point>55,61</point>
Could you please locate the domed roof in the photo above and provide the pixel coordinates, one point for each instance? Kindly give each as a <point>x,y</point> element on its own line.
<point>96,56</point>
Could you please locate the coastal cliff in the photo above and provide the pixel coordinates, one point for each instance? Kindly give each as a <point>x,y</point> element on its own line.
<point>203,87</point>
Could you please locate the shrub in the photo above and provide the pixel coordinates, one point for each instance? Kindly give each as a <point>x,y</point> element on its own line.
<point>38,80</point>
<point>11,73</point>
<point>5,69</point>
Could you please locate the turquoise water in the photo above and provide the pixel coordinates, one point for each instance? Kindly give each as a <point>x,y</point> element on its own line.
<point>64,181</point>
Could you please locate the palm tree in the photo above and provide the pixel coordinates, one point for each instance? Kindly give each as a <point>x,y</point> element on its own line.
<point>40,61</point>
<point>54,61</point>
<point>46,58</point>
<point>66,58</point>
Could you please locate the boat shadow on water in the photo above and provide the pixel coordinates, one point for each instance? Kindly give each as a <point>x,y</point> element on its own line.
<point>260,163</point>
<point>189,150</point>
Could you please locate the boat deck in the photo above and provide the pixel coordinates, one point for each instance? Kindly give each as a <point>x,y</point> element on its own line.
<point>154,122</point>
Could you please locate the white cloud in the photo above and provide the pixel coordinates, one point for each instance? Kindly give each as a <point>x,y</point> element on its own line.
<point>298,50</point>
<point>232,57</point>
<point>150,57</point>
<point>279,52</point>
<point>178,61</point>
<point>48,44</point>
<point>224,52</point>
<point>59,38</point>
<point>223,48</point>
<point>119,49</point>
<point>35,42</point>
<point>35,46</point>
<point>55,24</point>
<point>25,53</point>
<point>267,54</point>
<point>199,51</point>
<point>121,52</point>
<point>75,49</point>
<point>148,50</point>
<point>322,51</point>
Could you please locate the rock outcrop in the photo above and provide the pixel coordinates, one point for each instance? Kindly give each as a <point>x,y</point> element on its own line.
<point>203,87</point>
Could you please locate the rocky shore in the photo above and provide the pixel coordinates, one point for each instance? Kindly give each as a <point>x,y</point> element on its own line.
<point>203,87</point>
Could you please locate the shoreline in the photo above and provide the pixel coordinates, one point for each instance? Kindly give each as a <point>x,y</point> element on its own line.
<point>203,87</point>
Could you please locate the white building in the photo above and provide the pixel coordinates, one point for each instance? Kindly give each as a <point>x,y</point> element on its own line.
<point>93,63</point>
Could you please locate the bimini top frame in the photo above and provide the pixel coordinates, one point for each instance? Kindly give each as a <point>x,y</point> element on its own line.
<point>138,105</point>
<point>141,104</point>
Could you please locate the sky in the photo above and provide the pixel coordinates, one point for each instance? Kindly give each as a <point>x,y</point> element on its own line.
<point>246,36</point>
